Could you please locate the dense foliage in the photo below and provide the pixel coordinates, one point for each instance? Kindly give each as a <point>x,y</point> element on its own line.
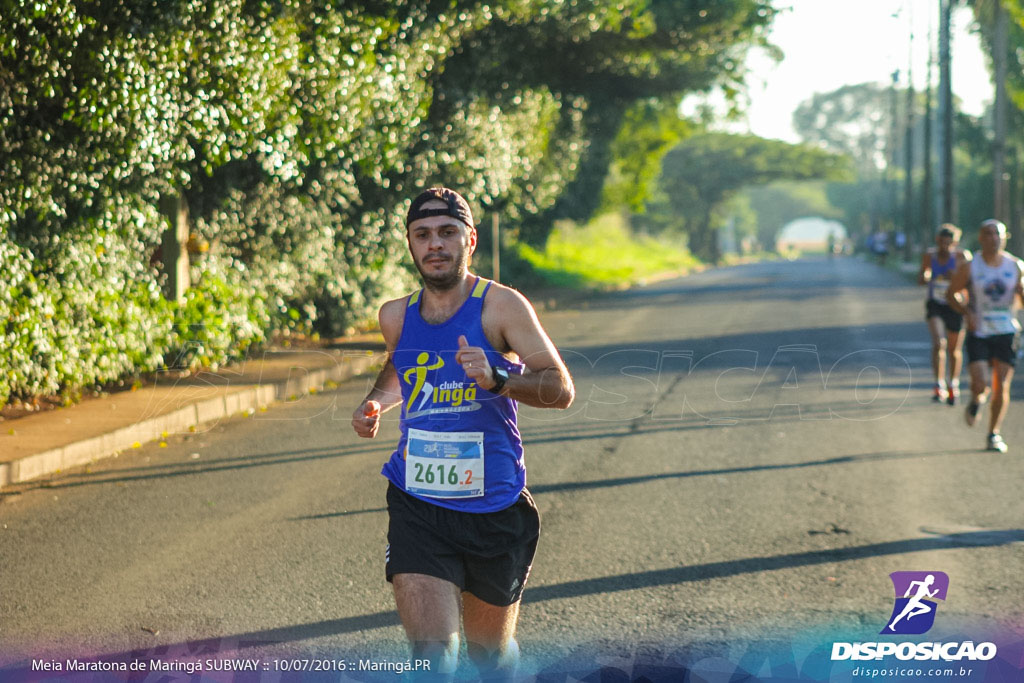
<point>777,204</point>
<point>857,120</point>
<point>979,171</point>
<point>706,169</point>
<point>295,131</point>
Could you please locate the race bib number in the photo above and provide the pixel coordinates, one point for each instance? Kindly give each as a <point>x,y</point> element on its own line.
<point>444,464</point>
<point>939,289</point>
<point>998,321</point>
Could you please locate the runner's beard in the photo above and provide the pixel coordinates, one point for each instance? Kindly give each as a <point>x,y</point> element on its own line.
<point>446,281</point>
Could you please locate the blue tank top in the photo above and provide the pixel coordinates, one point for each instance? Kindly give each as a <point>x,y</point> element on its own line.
<point>460,446</point>
<point>942,273</point>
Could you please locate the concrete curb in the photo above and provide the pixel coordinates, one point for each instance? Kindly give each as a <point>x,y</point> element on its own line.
<point>235,400</point>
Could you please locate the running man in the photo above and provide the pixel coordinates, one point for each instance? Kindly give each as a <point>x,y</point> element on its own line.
<point>937,267</point>
<point>463,529</point>
<point>916,604</point>
<point>986,290</point>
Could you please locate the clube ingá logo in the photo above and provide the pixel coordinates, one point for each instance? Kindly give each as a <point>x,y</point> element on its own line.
<point>915,601</point>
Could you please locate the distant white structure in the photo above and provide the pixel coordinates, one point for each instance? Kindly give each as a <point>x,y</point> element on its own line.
<point>810,234</point>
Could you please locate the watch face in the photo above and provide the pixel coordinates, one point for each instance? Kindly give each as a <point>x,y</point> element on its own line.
<point>500,377</point>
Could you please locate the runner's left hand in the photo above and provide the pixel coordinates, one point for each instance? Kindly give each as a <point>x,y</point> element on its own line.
<point>366,419</point>
<point>474,361</point>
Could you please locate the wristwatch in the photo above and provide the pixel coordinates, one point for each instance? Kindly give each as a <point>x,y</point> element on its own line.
<point>500,376</point>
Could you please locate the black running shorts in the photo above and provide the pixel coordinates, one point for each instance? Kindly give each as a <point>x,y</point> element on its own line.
<point>953,321</point>
<point>1000,347</point>
<point>487,554</point>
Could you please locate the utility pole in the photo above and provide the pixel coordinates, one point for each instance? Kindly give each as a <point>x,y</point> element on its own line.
<point>1000,204</point>
<point>1015,200</point>
<point>910,231</point>
<point>947,212</point>
<point>892,163</point>
<point>927,196</point>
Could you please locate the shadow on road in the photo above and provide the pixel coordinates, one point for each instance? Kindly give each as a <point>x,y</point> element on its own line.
<point>839,460</point>
<point>756,281</point>
<point>718,570</point>
<point>332,515</point>
<point>179,469</point>
<point>535,433</point>
<point>574,589</point>
<point>642,479</point>
<point>819,347</point>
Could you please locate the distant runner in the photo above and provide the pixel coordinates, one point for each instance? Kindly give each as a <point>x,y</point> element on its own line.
<point>463,529</point>
<point>992,284</point>
<point>937,267</point>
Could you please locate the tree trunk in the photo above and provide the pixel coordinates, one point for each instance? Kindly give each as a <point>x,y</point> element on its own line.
<point>704,239</point>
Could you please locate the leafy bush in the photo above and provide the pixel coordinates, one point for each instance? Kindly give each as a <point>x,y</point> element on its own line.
<point>24,321</point>
<point>296,132</point>
<point>220,318</point>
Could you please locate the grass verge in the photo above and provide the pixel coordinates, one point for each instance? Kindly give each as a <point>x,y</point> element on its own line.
<point>605,254</point>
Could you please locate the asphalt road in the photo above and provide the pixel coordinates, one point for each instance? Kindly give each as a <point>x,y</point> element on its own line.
<point>752,451</point>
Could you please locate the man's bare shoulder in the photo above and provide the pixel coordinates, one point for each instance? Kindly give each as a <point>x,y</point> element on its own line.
<point>391,317</point>
<point>966,255</point>
<point>393,310</point>
<point>507,299</point>
<point>511,323</point>
<point>394,306</point>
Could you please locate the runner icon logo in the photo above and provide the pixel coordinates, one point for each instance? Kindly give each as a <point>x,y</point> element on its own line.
<point>915,601</point>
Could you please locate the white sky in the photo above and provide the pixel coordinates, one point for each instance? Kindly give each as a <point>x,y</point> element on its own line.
<point>831,43</point>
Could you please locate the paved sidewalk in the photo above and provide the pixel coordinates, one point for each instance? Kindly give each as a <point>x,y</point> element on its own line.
<point>48,442</point>
<point>44,443</point>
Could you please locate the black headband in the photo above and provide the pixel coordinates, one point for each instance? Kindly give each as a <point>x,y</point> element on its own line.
<point>457,206</point>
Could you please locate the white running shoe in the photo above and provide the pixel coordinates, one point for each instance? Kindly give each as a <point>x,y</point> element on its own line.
<point>996,443</point>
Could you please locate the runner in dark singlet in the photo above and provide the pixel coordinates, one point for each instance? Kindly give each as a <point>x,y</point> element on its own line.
<point>463,352</point>
<point>937,267</point>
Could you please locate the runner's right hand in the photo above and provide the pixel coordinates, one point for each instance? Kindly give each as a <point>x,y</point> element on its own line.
<point>366,419</point>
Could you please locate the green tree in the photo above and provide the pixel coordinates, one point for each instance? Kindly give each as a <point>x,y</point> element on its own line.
<point>704,170</point>
<point>649,129</point>
<point>779,203</point>
<point>984,13</point>
<point>296,131</point>
<point>855,120</point>
<point>605,58</point>
<point>859,201</point>
<point>973,182</point>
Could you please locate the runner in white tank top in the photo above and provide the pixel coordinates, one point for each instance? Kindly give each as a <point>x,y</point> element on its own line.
<point>992,285</point>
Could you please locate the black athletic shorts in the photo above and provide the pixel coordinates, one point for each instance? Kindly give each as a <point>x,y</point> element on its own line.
<point>953,321</point>
<point>488,554</point>
<point>1001,347</point>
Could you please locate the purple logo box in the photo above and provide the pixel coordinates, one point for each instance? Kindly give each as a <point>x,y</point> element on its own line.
<point>940,581</point>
